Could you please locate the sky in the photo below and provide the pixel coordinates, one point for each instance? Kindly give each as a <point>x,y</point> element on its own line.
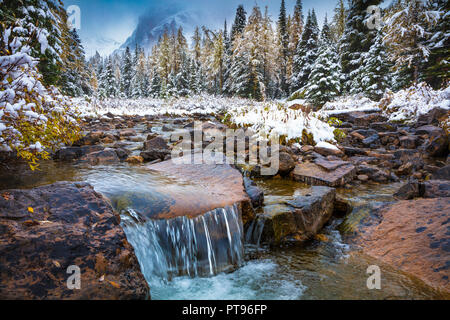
<point>106,24</point>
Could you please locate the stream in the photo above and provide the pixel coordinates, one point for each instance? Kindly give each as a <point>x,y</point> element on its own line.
<point>211,257</point>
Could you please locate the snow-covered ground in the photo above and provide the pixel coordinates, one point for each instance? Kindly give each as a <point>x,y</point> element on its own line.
<point>276,117</point>
<point>405,105</point>
<point>265,118</point>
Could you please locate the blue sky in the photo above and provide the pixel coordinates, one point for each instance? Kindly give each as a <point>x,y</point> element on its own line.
<point>116,19</point>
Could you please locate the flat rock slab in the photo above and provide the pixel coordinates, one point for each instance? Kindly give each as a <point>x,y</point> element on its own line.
<point>413,236</point>
<point>71,224</point>
<point>314,174</point>
<point>206,187</point>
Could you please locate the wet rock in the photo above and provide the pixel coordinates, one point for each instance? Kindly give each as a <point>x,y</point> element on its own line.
<point>155,154</point>
<point>303,218</point>
<point>352,151</point>
<point>71,224</point>
<point>156,143</point>
<point>434,116</point>
<point>286,163</point>
<point>122,153</point>
<point>212,186</point>
<point>363,177</point>
<point>408,191</point>
<point>412,236</point>
<point>127,133</point>
<point>256,194</point>
<point>328,151</point>
<point>409,142</point>
<point>435,189</point>
<point>314,174</point>
<point>442,173</point>
<point>370,140</point>
<point>383,126</point>
<point>342,207</point>
<point>135,160</point>
<point>405,169</point>
<point>107,156</point>
<point>437,146</point>
<point>89,139</point>
<point>166,128</point>
<point>75,153</point>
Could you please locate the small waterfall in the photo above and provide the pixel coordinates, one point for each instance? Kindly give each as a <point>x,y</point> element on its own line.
<point>255,230</point>
<point>202,246</point>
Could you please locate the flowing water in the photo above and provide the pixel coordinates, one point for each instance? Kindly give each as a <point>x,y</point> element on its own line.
<point>211,257</point>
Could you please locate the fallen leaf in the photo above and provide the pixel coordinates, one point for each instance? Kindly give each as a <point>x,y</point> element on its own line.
<point>57,264</point>
<point>30,209</point>
<point>30,223</point>
<point>114,284</point>
<point>102,278</point>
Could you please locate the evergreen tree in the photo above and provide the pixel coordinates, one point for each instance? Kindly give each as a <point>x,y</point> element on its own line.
<point>324,80</point>
<point>155,88</point>
<point>283,38</point>
<point>436,71</point>
<point>126,73</point>
<point>306,54</point>
<point>107,81</point>
<point>339,20</point>
<point>375,75</point>
<point>406,33</point>
<point>239,24</point>
<point>356,40</point>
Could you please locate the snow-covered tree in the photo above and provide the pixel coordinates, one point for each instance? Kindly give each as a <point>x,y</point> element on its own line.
<point>126,73</point>
<point>306,53</point>
<point>339,20</point>
<point>240,21</point>
<point>34,120</point>
<point>375,75</point>
<point>436,71</point>
<point>283,39</point>
<point>407,25</point>
<point>355,41</point>
<point>324,82</point>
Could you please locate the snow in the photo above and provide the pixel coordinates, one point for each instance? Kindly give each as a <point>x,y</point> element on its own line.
<point>326,145</point>
<point>264,118</point>
<point>408,104</point>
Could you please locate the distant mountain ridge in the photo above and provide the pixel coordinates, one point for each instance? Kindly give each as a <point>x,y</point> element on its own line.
<point>151,27</point>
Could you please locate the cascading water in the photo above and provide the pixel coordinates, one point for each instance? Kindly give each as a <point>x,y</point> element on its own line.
<point>201,246</point>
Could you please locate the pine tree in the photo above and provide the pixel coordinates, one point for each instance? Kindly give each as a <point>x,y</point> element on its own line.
<point>239,24</point>
<point>283,38</point>
<point>375,75</point>
<point>155,88</point>
<point>339,21</point>
<point>406,33</point>
<point>436,71</point>
<point>355,41</point>
<point>324,82</point>
<point>127,73</point>
<point>306,53</point>
<point>108,86</point>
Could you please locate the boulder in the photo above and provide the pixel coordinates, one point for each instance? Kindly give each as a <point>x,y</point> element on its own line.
<point>75,153</point>
<point>383,126</point>
<point>302,218</point>
<point>107,156</point>
<point>71,225</point>
<point>314,174</point>
<point>412,236</point>
<point>156,143</point>
<point>89,139</point>
<point>127,133</point>
<point>428,189</point>
<point>442,173</point>
<point>286,163</point>
<point>409,142</point>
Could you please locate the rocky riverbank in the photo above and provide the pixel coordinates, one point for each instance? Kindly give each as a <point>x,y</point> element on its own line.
<point>370,150</point>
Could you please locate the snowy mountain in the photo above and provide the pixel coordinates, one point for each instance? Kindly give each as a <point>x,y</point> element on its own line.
<point>150,28</point>
<point>104,46</point>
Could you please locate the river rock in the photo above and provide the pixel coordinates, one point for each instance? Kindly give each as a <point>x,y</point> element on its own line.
<point>314,174</point>
<point>442,173</point>
<point>206,187</point>
<point>75,153</point>
<point>256,194</point>
<point>412,236</point>
<point>89,139</point>
<point>303,217</point>
<point>107,156</point>
<point>70,224</point>
<point>286,163</point>
<point>156,143</point>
